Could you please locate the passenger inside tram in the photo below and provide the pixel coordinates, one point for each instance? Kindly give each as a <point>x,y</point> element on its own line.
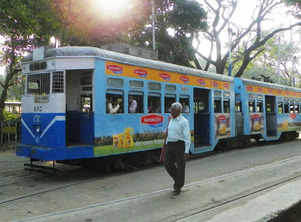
<point>114,104</point>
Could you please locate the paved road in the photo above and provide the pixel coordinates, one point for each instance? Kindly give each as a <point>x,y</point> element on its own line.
<point>146,195</point>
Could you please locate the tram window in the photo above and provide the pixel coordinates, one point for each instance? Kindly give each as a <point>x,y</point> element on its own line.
<point>252,107</point>
<point>115,83</point>
<point>200,106</point>
<point>86,103</point>
<point>286,108</point>
<point>185,103</point>
<point>297,108</point>
<point>58,82</point>
<point>226,106</point>
<point>217,105</point>
<point>268,108</point>
<point>292,108</point>
<point>38,84</point>
<point>169,99</point>
<point>154,86</point>
<point>238,106</point>
<point>86,79</point>
<point>136,84</point>
<point>114,103</point>
<point>170,88</point>
<point>237,103</point>
<point>135,103</point>
<point>154,104</point>
<point>280,107</point>
<point>259,107</point>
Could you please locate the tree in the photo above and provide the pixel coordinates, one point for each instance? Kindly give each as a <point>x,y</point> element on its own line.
<point>247,42</point>
<point>276,64</point>
<point>177,25</point>
<point>24,24</point>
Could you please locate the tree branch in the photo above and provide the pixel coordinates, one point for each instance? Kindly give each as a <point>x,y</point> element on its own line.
<point>205,58</point>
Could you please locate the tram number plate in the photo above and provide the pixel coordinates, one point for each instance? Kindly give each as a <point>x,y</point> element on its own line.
<point>37,108</point>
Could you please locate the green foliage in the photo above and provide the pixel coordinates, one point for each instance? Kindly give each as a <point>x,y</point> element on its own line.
<point>278,58</point>
<point>24,24</point>
<point>177,23</point>
<point>10,116</point>
<point>293,2</point>
<point>24,18</point>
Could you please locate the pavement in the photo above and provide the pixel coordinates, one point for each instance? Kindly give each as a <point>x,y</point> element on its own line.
<point>259,209</point>
<point>262,208</point>
<point>241,185</point>
<point>231,197</point>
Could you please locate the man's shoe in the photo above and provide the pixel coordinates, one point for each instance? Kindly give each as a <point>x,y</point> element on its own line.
<point>176,190</point>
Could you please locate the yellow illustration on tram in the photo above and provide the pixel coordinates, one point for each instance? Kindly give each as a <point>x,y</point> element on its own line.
<point>284,125</point>
<point>124,140</point>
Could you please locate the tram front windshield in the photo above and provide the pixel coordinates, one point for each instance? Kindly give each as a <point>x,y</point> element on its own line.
<point>38,84</point>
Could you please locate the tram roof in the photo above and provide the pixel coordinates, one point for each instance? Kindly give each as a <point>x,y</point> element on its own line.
<point>73,51</point>
<point>270,85</point>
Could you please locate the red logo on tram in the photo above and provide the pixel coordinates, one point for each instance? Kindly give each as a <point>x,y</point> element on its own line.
<point>165,76</point>
<point>141,73</point>
<point>184,79</point>
<point>249,88</point>
<point>152,119</point>
<point>221,117</point>
<point>256,116</point>
<point>293,115</point>
<point>201,82</point>
<point>260,89</point>
<point>115,69</point>
<point>226,85</point>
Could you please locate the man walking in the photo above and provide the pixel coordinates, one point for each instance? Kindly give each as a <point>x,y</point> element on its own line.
<point>176,145</point>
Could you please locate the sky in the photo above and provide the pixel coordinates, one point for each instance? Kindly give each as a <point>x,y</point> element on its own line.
<point>243,15</point>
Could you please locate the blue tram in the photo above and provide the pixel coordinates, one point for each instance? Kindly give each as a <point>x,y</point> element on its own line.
<point>69,90</point>
<point>266,110</point>
<point>78,105</point>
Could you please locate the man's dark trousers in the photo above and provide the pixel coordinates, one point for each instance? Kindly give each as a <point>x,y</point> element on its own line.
<point>175,163</point>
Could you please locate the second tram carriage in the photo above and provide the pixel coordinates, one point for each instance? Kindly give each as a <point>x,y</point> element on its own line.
<point>76,105</point>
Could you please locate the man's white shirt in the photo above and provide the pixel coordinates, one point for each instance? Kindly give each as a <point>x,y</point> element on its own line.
<point>178,129</point>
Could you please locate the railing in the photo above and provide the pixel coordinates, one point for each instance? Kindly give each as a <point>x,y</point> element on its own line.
<point>9,132</point>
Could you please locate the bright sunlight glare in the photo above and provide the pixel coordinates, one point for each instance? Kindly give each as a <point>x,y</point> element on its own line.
<point>113,7</point>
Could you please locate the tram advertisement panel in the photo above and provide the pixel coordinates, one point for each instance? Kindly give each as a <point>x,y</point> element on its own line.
<point>222,125</point>
<point>138,134</point>
<point>257,123</point>
<point>289,122</point>
<point>117,69</point>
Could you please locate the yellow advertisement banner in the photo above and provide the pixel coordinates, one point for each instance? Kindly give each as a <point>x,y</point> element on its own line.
<point>270,91</point>
<point>117,69</point>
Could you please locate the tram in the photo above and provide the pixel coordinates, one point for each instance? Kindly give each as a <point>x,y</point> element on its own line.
<point>267,111</point>
<point>77,104</point>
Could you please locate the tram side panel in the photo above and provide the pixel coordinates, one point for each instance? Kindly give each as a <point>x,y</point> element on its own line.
<point>269,110</point>
<point>123,132</point>
<point>253,107</point>
<point>289,117</point>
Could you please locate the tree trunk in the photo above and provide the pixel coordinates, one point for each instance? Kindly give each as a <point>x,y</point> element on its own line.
<point>12,71</point>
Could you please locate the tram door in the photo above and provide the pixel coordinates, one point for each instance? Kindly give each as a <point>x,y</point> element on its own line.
<point>201,117</point>
<point>79,110</point>
<point>270,111</point>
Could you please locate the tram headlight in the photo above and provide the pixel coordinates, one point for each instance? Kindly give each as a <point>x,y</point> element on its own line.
<point>37,129</point>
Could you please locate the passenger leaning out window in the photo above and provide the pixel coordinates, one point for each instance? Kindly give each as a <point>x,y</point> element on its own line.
<point>113,106</point>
